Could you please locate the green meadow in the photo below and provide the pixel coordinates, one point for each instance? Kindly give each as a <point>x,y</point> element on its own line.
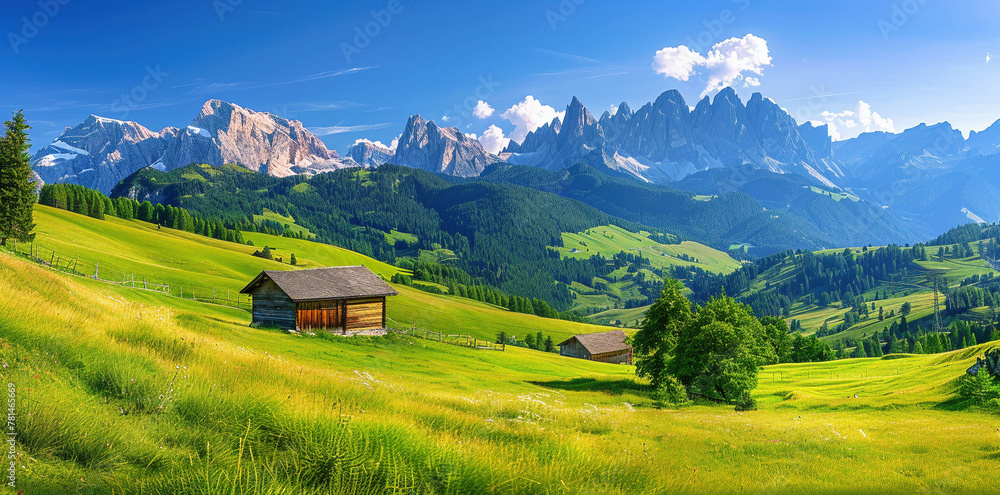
<point>610,240</point>
<point>123,390</point>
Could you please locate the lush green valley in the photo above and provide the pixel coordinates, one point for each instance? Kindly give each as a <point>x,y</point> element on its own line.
<point>498,233</point>
<point>123,390</point>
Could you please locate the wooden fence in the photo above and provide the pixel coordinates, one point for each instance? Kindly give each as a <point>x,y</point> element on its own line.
<point>462,340</point>
<point>93,270</point>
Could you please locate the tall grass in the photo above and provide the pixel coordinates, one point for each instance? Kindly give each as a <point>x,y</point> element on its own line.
<point>123,391</point>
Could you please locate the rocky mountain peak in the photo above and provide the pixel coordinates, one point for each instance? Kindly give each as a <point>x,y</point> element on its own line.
<point>444,150</point>
<point>369,154</point>
<point>100,151</point>
<point>580,128</point>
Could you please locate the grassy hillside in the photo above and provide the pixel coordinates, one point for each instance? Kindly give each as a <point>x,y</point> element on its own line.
<point>609,240</point>
<point>200,264</point>
<point>495,232</point>
<point>634,287</point>
<point>888,290</point>
<point>128,391</point>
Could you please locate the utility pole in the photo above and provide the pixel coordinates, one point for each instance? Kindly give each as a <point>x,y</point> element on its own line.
<point>935,278</point>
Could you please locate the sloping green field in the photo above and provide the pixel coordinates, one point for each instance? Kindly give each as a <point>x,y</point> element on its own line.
<point>610,240</point>
<point>204,266</point>
<point>120,390</point>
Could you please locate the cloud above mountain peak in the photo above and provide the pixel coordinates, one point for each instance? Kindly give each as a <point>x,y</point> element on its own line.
<point>850,123</point>
<point>727,63</point>
<point>528,115</point>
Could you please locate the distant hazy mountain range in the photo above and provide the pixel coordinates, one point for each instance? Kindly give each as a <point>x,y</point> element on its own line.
<point>891,187</point>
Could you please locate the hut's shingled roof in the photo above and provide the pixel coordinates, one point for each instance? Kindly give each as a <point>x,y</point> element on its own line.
<point>601,343</point>
<point>342,282</point>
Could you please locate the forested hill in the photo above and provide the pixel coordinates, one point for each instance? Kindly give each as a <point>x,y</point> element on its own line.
<point>772,284</point>
<point>810,221</point>
<point>969,233</point>
<point>496,231</point>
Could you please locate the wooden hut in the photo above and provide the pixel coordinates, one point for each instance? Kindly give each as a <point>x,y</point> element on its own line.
<point>607,347</point>
<point>346,299</point>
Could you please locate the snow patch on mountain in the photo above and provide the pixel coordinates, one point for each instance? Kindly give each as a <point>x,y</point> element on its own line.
<point>972,216</point>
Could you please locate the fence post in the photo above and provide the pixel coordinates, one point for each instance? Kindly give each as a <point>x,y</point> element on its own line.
<point>213,293</point>
<point>133,280</point>
<point>144,283</point>
<point>15,245</point>
<point>97,266</point>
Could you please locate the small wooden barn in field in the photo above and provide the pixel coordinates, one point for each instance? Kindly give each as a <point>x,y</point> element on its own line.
<point>343,299</point>
<point>606,347</point>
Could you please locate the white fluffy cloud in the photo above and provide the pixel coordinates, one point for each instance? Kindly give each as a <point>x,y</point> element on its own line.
<point>729,62</point>
<point>493,140</point>
<point>391,146</point>
<point>529,115</point>
<point>482,110</point>
<point>850,123</point>
<point>677,62</point>
<point>366,140</point>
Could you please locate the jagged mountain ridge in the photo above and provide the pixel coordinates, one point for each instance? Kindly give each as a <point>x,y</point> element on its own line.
<point>666,140</point>
<point>442,150</point>
<point>100,152</point>
<point>369,154</point>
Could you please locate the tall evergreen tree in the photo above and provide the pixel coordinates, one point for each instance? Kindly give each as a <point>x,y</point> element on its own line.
<point>17,190</point>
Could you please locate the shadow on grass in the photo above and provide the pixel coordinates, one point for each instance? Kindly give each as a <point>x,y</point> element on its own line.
<point>611,387</point>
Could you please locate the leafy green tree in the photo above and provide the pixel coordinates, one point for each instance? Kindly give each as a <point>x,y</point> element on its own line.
<point>294,261</point>
<point>776,331</point>
<point>933,345</point>
<point>654,343</point>
<point>980,389</point>
<point>549,345</point>
<point>719,352</point>
<point>17,190</point>
<point>502,337</point>
<point>876,348</point>
<point>859,351</point>
<point>671,391</point>
<point>539,341</point>
<point>264,253</point>
<point>529,340</point>
<point>905,309</point>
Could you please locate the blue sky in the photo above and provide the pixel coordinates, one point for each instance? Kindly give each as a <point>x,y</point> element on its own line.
<point>910,61</point>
